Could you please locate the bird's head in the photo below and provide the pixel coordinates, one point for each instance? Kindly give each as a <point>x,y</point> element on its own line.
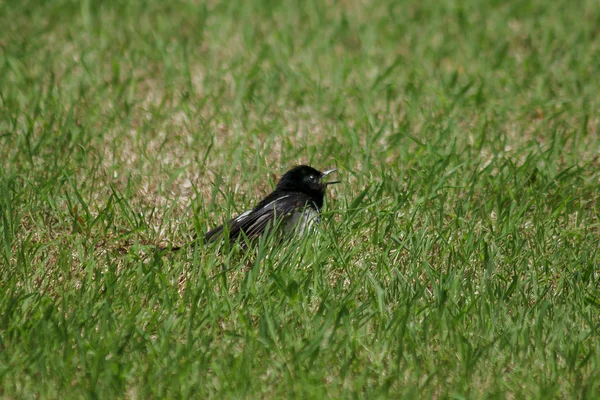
<point>306,180</point>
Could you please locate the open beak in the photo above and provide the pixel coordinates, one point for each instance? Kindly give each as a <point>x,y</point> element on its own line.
<point>327,173</point>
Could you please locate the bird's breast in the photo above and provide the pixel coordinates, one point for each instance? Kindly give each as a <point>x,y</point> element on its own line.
<point>302,220</point>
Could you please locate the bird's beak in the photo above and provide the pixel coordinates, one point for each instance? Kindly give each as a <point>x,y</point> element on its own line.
<point>327,173</point>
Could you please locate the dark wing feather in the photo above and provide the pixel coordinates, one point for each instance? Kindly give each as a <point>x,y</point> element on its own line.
<point>213,233</point>
<point>255,222</point>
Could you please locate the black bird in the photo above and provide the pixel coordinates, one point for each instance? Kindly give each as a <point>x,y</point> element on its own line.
<point>294,205</point>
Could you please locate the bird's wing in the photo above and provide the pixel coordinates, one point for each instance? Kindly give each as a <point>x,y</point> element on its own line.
<point>253,223</point>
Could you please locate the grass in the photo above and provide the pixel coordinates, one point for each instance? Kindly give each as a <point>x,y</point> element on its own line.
<point>459,258</point>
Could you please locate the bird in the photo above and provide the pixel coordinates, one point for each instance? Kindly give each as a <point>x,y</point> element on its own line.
<point>294,206</point>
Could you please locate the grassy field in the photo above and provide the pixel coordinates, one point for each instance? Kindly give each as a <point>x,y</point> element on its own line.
<point>459,258</point>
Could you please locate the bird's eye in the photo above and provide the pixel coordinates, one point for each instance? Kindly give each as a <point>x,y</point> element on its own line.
<point>312,178</point>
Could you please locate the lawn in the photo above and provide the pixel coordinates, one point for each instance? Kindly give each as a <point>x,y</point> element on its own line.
<point>459,258</point>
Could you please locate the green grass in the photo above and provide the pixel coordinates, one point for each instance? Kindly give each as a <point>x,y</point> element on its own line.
<point>460,258</point>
